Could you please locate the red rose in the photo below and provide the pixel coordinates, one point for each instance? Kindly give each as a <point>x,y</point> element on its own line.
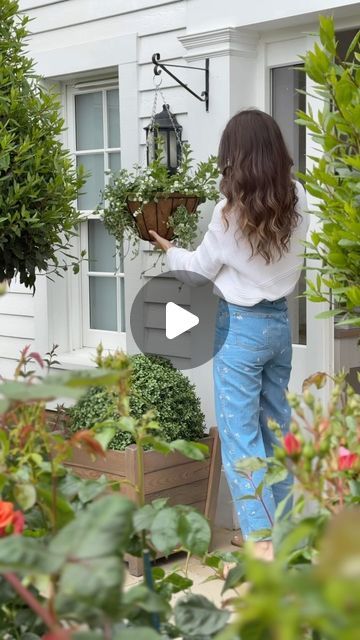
<point>10,521</point>
<point>347,460</point>
<point>6,513</point>
<point>292,444</point>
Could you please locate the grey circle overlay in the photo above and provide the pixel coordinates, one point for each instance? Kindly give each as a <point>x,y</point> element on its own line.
<point>194,293</point>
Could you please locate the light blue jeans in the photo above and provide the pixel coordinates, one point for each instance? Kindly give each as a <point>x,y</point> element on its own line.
<point>251,375</point>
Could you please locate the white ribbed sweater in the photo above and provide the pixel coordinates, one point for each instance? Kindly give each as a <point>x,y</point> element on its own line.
<point>225,258</point>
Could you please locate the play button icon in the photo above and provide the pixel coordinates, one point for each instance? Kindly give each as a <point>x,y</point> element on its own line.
<point>175,315</point>
<point>178,320</point>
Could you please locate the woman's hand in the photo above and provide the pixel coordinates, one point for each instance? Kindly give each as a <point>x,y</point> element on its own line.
<point>160,242</point>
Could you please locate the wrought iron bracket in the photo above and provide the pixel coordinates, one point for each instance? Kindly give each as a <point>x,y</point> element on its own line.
<point>160,66</point>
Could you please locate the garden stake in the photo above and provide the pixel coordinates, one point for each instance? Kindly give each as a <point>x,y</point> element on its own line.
<point>148,580</point>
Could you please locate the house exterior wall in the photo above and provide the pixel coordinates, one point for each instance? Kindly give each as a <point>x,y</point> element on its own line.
<point>87,38</point>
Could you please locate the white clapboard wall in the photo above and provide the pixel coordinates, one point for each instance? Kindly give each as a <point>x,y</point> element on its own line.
<point>17,326</point>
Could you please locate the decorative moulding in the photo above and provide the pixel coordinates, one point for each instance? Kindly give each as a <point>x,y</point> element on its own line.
<point>227,41</point>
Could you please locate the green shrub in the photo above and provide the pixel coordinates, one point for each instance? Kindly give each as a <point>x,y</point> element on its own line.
<point>155,384</point>
<point>38,184</point>
<point>334,177</point>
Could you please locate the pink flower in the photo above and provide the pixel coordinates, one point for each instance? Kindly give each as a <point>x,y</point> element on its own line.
<point>292,444</point>
<point>347,460</point>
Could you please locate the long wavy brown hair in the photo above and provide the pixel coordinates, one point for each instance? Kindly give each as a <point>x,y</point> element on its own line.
<point>257,182</point>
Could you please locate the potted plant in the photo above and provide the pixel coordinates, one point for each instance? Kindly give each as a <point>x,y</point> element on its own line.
<point>159,401</point>
<point>149,198</point>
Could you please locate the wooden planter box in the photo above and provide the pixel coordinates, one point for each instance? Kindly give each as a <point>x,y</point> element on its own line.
<point>155,215</point>
<point>182,481</point>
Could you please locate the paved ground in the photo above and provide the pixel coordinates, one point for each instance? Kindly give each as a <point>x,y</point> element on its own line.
<point>197,572</point>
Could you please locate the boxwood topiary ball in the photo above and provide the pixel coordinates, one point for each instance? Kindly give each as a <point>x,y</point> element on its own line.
<point>155,384</point>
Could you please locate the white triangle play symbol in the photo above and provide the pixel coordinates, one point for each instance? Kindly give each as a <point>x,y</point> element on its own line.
<point>178,320</point>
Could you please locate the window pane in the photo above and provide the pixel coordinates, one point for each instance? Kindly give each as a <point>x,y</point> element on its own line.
<point>285,83</point>
<point>114,161</point>
<point>91,191</point>
<point>102,294</point>
<point>113,118</point>
<point>101,247</point>
<point>89,121</point>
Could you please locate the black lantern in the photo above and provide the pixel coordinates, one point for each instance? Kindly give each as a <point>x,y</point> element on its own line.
<point>164,128</point>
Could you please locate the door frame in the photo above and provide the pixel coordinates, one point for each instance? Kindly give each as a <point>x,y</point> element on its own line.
<point>276,49</point>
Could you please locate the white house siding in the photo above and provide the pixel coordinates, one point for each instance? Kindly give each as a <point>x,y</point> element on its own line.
<point>17,326</point>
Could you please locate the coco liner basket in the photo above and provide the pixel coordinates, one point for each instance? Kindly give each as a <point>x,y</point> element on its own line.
<point>155,215</point>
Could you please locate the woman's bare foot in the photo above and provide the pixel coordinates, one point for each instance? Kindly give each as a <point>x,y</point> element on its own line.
<point>264,550</point>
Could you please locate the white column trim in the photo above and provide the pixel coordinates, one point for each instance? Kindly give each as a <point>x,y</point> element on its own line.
<point>220,42</point>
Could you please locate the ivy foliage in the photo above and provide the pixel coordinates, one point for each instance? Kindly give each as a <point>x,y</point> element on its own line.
<point>38,184</point>
<point>334,177</point>
<point>155,384</point>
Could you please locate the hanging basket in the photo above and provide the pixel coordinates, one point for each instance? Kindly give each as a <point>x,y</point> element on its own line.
<point>155,215</point>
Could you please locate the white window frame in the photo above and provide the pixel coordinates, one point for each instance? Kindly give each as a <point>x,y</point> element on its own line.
<point>90,338</point>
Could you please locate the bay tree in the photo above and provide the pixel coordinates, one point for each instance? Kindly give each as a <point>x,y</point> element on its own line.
<point>38,183</point>
<point>334,178</point>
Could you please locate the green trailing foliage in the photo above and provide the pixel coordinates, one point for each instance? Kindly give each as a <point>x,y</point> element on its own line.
<point>38,184</point>
<point>148,184</point>
<point>155,385</point>
<point>334,179</point>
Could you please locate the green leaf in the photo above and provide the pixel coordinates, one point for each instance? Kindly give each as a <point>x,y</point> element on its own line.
<point>63,510</point>
<point>193,450</point>
<point>91,489</point>
<point>178,582</point>
<point>195,616</point>
<point>195,533</point>
<point>137,633</point>
<point>25,496</point>
<point>144,517</point>
<point>103,529</point>
<point>141,596</point>
<point>27,556</point>
<point>353,44</point>
<point>105,435</point>
<point>4,404</point>
<point>275,474</point>
<point>249,465</point>
<point>235,577</point>
<point>164,530</point>
<point>97,580</point>
<point>327,33</point>
<point>158,573</point>
<point>331,313</point>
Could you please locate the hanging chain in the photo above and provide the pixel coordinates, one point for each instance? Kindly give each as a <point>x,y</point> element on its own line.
<point>151,137</point>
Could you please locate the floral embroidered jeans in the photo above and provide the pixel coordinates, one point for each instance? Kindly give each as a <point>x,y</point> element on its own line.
<point>251,375</point>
